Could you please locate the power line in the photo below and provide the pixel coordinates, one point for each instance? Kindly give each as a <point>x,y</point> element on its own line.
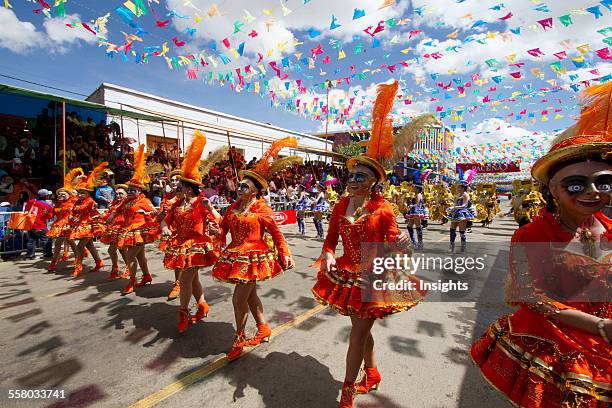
<point>42,85</point>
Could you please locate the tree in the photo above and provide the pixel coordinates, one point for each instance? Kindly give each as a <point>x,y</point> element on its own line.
<point>350,149</point>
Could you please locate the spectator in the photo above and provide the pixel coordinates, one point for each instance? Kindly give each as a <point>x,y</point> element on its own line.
<point>104,193</point>
<point>6,186</point>
<point>44,212</point>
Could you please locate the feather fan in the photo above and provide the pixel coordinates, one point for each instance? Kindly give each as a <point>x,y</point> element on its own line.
<point>96,174</point>
<point>283,163</point>
<point>596,117</point>
<point>409,134</point>
<point>72,178</point>
<point>263,166</point>
<point>380,145</point>
<point>213,158</point>
<point>139,165</point>
<point>191,162</point>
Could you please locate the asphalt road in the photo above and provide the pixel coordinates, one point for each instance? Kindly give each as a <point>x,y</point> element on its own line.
<point>106,350</point>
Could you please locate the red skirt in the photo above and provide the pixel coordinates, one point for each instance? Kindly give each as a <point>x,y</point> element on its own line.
<point>144,234</point>
<point>563,368</point>
<point>189,253</point>
<point>345,292</point>
<point>256,265</point>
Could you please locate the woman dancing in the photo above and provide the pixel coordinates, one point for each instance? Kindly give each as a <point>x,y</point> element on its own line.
<point>248,259</point>
<point>462,212</point>
<point>61,229</point>
<point>364,216</point>
<point>84,219</point>
<point>167,202</point>
<point>417,212</point>
<point>139,224</point>
<point>114,223</point>
<point>190,247</point>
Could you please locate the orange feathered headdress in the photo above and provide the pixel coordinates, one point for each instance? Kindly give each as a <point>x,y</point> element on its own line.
<point>140,178</point>
<point>380,145</point>
<point>71,180</point>
<point>190,169</point>
<point>589,138</point>
<point>91,181</point>
<point>384,149</point>
<point>262,170</point>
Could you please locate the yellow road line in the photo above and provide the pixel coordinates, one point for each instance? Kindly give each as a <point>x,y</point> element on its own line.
<point>215,365</point>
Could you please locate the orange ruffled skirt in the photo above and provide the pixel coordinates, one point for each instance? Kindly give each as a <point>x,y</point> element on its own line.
<point>238,266</point>
<point>111,235</point>
<point>540,364</point>
<point>91,229</point>
<point>348,294</point>
<point>60,229</point>
<point>144,234</point>
<point>189,253</point>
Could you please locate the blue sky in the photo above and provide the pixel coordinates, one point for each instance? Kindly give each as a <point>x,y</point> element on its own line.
<point>50,53</point>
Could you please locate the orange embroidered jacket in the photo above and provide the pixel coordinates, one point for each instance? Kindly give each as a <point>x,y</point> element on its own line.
<point>247,230</point>
<point>190,224</point>
<point>378,225</point>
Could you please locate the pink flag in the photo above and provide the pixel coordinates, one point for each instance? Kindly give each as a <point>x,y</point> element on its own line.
<point>546,23</point>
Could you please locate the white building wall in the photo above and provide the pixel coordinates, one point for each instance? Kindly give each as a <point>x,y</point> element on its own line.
<point>122,98</point>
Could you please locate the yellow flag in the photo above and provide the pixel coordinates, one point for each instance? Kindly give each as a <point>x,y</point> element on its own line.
<point>341,54</point>
<point>584,48</point>
<point>256,87</point>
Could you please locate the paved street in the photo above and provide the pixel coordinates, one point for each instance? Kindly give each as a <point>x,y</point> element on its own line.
<point>106,350</point>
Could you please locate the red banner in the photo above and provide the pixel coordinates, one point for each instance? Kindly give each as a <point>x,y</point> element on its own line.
<point>283,217</point>
<point>511,167</point>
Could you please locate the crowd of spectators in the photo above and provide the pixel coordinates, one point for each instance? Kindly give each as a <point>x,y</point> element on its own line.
<point>28,163</point>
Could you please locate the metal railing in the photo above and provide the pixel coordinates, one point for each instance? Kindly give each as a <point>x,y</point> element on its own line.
<point>12,242</point>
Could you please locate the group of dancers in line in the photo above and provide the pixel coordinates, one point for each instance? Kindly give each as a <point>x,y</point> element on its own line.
<point>551,352</point>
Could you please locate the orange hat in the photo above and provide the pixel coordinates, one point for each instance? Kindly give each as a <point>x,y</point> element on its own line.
<point>140,178</point>
<point>190,168</point>
<point>588,139</point>
<point>122,186</point>
<point>383,150</point>
<point>90,181</point>
<point>70,181</point>
<point>265,168</point>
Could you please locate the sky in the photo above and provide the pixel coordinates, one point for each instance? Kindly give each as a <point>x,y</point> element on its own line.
<point>466,60</point>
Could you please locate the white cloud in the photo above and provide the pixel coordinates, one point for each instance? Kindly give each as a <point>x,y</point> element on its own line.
<point>17,36</point>
<point>492,130</point>
<point>462,16</point>
<point>303,17</point>
<point>61,35</point>
<point>22,36</point>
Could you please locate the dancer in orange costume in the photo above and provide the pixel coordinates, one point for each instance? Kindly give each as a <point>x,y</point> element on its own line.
<point>114,220</point>
<point>555,350</point>
<point>139,224</point>
<point>248,259</point>
<point>190,246</point>
<point>364,216</point>
<point>84,219</point>
<point>168,200</point>
<point>61,229</point>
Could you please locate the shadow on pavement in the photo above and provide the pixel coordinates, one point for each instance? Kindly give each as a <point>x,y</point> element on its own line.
<point>285,380</point>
